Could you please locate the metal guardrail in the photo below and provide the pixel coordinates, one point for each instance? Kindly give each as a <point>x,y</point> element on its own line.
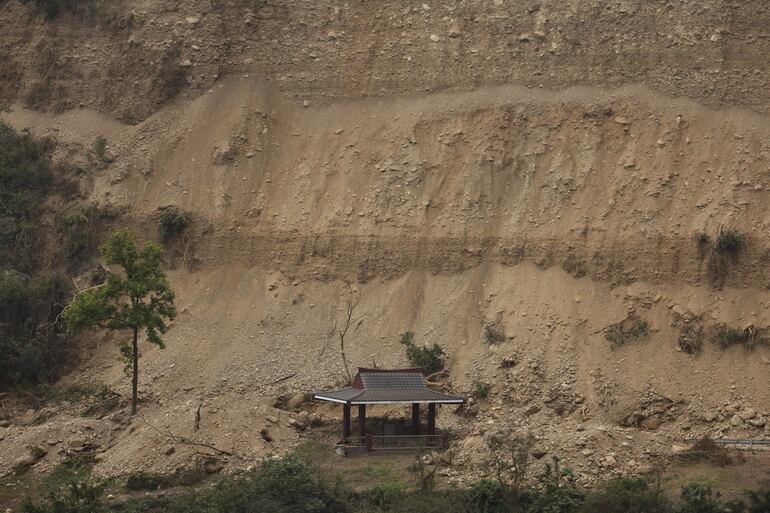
<point>398,442</point>
<point>738,441</point>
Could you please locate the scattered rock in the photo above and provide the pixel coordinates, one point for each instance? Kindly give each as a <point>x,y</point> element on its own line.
<point>297,424</point>
<point>623,121</point>
<point>538,453</point>
<point>193,20</point>
<point>610,461</point>
<point>736,421</point>
<point>171,450</point>
<point>212,466</point>
<point>265,434</point>
<point>272,419</point>
<point>5,423</point>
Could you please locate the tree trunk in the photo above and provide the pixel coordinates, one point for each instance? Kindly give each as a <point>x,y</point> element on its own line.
<point>135,374</point>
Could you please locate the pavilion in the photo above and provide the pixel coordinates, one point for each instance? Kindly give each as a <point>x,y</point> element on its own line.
<point>400,386</point>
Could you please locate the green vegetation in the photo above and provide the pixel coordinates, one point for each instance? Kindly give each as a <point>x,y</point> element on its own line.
<point>173,221</point>
<point>430,359</point>
<point>139,299</point>
<point>26,177</point>
<point>148,481</point>
<point>625,331</point>
<point>507,460</point>
<point>726,336</point>
<point>481,390</point>
<point>293,485</point>
<point>79,227</point>
<point>33,345</point>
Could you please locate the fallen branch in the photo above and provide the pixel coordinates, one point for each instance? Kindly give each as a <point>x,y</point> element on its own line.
<point>183,440</point>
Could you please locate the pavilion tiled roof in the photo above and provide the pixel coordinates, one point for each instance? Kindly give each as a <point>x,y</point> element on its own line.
<point>377,386</point>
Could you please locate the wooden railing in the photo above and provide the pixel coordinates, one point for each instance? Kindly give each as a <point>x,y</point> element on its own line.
<point>398,442</point>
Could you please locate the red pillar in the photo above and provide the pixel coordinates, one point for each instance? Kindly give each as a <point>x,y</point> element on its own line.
<point>361,420</point>
<point>415,418</point>
<point>345,420</point>
<point>432,418</point>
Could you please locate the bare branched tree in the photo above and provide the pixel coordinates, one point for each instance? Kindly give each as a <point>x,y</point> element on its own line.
<point>341,329</point>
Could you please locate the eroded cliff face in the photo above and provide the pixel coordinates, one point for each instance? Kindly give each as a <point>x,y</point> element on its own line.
<point>541,170</point>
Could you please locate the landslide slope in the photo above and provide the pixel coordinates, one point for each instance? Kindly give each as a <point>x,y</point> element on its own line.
<point>542,171</point>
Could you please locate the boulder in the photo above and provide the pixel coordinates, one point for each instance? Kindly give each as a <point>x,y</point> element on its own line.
<point>25,461</point>
<point>651,423</point>
<point>295,402</point>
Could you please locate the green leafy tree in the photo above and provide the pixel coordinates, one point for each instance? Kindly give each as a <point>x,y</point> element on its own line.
<point>139,298</point>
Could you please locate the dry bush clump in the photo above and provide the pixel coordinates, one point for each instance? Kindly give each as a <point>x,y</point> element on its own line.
<point>722,254</point>
<point>705,450</point>
<point>630,328</point>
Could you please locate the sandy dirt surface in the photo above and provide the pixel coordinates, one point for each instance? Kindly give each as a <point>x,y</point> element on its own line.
<point>542,171</point>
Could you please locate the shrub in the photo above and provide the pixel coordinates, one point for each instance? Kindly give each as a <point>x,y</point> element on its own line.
<point>629,495</point>
<point>173,221</point>
<point>430,359</point>
<point>99,157</point>
<point>555,491</point>
<point>385,495</point>
<point>698,498</point>
<point>487,496</point>
<point>481,390</point>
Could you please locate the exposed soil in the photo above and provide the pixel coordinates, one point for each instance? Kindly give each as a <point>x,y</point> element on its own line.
<point>544,168</point>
